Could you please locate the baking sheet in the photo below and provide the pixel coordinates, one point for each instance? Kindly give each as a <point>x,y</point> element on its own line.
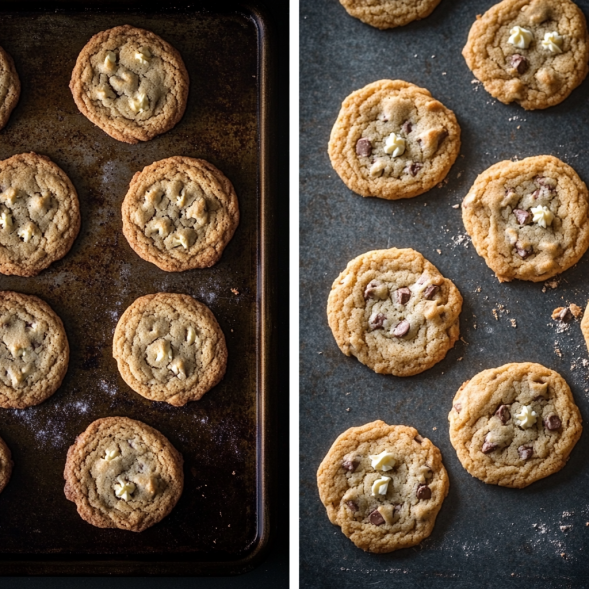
<point>485,536</point>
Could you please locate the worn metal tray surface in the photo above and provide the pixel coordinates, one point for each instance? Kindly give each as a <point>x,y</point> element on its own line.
<point>485,536</point>
<point>220,523</point>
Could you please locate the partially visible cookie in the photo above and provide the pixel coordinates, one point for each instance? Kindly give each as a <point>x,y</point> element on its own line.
<point>387,14</point>
<point>394,311</point>
<point>169,347</point>
<point>39,214</point>
<point>180,213</point>
<point>585,325</point>
<point>528,219</point>
<point>34,351</point>
<point>6,464</point>
<point>515,424</point>
<point>123,474</point>
<point>130,83</point>
<point>9,87</point>
<point>383,485</point>
<point>533,52</point>
<point>393,140</point>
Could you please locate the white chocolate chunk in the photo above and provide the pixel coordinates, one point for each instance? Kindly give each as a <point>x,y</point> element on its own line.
<point>163,350</point>
<point>111,455</point>
<point>139,103</point>
<point>520,37</point>
<point>552,42</point>
<point>162,226</point>
<point>40,203</point>
<point>124,489</point>
<point>190,335</point>
<point>105,93</point>
<point>19,375</point>
<point>383,461</point>
<point>198,210</point>
<point>6,221</point>
<point>394,145</point>
<point>526,417</point>
<point>177,367</point>
<point>182,237</point>
<point>27,232</point>
<point>9,196</point>
<point>380,486</point>
<point>542,215</point>
<point>153,197</point>
<point>377,167</point>
<point>110,61</point>
<point>143,55</point>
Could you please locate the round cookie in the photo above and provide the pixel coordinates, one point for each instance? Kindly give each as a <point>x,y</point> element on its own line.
<point>528,219</point>
<point>383,485</point>
<point>6,464</point>
<point>394,311</point>
<point>169,347</point>
<point>9,87</point>
<point>533,52</point>
<point>39,214</point>
<point>130,83</point>
<point>180,213</point>
<point>123,474</point>
<point>393,140</point>
<point>515,424</point>
<point>387,14</point>
<point>585,325</point>
<point>34,351</point>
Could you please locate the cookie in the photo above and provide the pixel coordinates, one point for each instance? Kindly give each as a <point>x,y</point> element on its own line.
<point>394,311</point>
<point>123,474</point>
<point>6,464</point>
<point>39,214</point>
<point>34,351</point>
<point>515,424</point>
<point>130,83</point>
<point>533,52</point>
<point>180,213</point>
<point>383,485</point>
<point>170,348</point>
<point>9,87</point>
<point>393,140</point>
<point>387,14</point>
<point>528,219</point>
<point>585,326</point>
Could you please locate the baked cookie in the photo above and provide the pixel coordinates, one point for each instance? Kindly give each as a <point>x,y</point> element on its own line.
<point>34,351</point>
<point>528,219</point>
<point>169,347</point>
<point>39,214</point>
<point>123,474</point>
<point>130,83</point>
<point>533,52</point>
<point>393,140</point>
<point>6,464</point>
<point>387,14</point>
<point>515,424</point>
<point>180,213</point>
<point>394,311</point>
<point>9,87</point>
<point>383,485</point>
<point>585,325</point>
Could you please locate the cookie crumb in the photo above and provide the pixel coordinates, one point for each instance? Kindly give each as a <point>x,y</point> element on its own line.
<point>565,528</point>
<point>456,206</point>
<point>575,310</point>
<point>434,428</point>
<point>439,252</point>
<point>234,291</point>
<point>348,409</point>
<point>459,359</point>
<point>495,314</point>
<point>513,323</point>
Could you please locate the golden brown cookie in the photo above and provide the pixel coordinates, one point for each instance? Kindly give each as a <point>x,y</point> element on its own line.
<point>393,140</point>
<point>130,83</point>
<point>169,347</point>
<point>6,464</point>
<point>585,325</point>
<point>34,351</point>
<point>528,219</point>
<point>180,213</point>
<point>9,87</point>
<point>123,474</point>
<point>533,52</point>
<point>383,485</point>
<point>387,14</point>
<point>394,311</point>
<point>515,424</point>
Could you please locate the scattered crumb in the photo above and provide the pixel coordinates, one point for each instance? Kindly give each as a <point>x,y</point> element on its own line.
<point>233,472</point>
<point>587,524</point>
<point>495,315</point>
<point>513,323</point>
<point>575,310</point>
<point>513,574</point>
<point>459,359</point>
<point>234,291</point>
<point>565,528</point>
<point>348,410</point>
<point>463,341</point>
<point>519,127</point>
<point>557,352</point>
<point>550,284</point>
<point>456,206</point>
<point>439,252</point>
<point>435,428</point>
<point>563,554</point>
<point>478,289</point>
<point>320,353</point>
<point>425,204</point>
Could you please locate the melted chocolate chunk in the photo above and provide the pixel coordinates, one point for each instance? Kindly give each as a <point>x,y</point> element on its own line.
<point>525,452</point>
<point>352,506</point>
<point>407,127</point>
<point>489,447</point>
<point>376,518</point>
<point>442,136</point>
<point>565,315</point>
<point>403,295</point>
<point>523,217</point>
<point>423,492</point>
<point>522,252</point>
<point>519,63</point>
<point>363,147</point>
<point>430,292</point>
<point>503,414</point>
<point>418,439</point>
<point>378,321</point>
<point>552,423</point>
<point>350,465</point>
<point>370,289</point>
<point>402,329</point>
<point>412,168</point>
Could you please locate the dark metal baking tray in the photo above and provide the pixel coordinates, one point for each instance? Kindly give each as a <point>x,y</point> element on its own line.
<point>221,523</point>
<point>485,536</point>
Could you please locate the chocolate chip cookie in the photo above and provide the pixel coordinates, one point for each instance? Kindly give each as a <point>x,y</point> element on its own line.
<point>515,424</point>
<point>383,485</point>
<point>130,83</point>
<point>6,464</point>
<point>180,213</point>
<point>394,311</point>
<point>585,325</point>
<point>34,351</point>
<point>528,219</point>
<point>393,140</point>
<point>39,214</point>
<point>533,52</point>
<point>123,474</point>
<point>387,14</point>
<point>9,87</point>
<point>169,347</point>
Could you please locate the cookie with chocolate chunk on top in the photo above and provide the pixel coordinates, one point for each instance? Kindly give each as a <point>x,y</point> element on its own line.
<point>6,464</point>
<point>384,14</point>
<point>9,87</point>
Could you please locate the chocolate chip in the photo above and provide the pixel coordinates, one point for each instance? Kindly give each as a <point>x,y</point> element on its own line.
<point>402,329</point>
<point>364,147</point>
<point>523,217</point>
<point>565,315</point>
<point>503,414</point>
<point>522,252</point>
<point>525,452</point>
<point>545,182</point>
<point>350,465</point>
<point>430,292</point>
<point>489,447</point>
<point>370,289</point>
<point>377,321</point>
<point>376,518</point>
<point>407,126</point>
<point>552,422</point>
<point>403,295</point>
<point>519,63</point>
<point>352,506</point>
<point>412,168</point>
<point>442,136</point>
<point>423,492</point>
<point>418,439</point>
<point>458,407</point>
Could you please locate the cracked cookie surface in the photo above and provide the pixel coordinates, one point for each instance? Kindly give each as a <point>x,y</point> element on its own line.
<point>6,464</point>
<point>387,14</point>
<point>9,87</point>
<point>39,214</point>
<point>394,311</point>
<point>528,219</point>
<point>34,350</point>
<point>383,485</point>
<point>169,347</point>
<point>393,140</point>
<point>180,213</point>
<point>515,424</point>
<point>123,474</point>
<point>533,53</point>
<point>130,83</point>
